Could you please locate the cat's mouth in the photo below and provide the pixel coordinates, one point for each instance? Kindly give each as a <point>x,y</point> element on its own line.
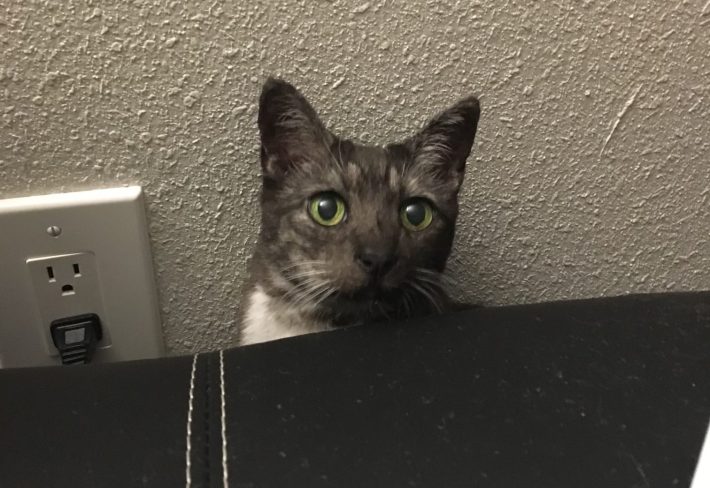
<point>361,299</point>
<point>345,309</point>
<point>371,290</point>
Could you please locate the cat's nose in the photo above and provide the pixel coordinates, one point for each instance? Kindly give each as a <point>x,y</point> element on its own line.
<point>375,263</point>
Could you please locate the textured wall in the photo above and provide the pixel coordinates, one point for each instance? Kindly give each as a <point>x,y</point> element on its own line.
<point>590,174</point>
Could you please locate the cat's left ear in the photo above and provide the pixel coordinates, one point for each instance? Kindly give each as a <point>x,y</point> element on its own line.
<point>444,144</point>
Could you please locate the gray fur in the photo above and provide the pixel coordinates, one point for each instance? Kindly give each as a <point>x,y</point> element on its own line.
<point>305,277</point>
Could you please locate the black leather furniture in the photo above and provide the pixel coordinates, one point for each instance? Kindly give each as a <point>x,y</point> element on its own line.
<point>611,392</point>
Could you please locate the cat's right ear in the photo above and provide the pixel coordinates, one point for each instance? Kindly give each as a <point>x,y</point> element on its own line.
<point>445,143</point>
<point>291,132</point>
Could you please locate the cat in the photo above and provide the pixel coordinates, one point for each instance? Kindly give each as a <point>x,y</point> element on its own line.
<point>350,233</point>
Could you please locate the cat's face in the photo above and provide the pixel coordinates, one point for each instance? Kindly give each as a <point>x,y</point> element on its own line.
<point>355,229</point>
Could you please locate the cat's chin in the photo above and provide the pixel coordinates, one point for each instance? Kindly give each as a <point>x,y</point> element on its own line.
<point>368,294</point>
<point>362,303</point>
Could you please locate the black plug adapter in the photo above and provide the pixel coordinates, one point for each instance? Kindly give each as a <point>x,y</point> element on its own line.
<point>76,337</point>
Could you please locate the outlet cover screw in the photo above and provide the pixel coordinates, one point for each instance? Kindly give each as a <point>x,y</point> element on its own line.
<point>54,230</point>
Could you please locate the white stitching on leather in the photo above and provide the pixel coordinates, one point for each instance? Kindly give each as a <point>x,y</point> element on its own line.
<point>225,470</point>
<point>188,442</point>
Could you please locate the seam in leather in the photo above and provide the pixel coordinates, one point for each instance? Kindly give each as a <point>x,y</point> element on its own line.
<point>188,441</point>
<point>225,470</point>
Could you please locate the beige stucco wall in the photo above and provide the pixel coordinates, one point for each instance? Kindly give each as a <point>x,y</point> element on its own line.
<point>590,174</point>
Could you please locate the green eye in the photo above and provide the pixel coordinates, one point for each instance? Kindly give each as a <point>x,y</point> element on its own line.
<point>327,208</point>
<point>416,214</point>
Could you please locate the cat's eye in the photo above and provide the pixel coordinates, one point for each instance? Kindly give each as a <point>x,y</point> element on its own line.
<point>416,214</point>
<point>327,209</point>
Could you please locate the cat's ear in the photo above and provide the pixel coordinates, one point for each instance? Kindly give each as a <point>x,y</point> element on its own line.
<point>445,142</point>
<point>291,132</point>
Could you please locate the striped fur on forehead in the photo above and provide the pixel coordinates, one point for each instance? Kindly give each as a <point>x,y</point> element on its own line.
<point>421,180</point>
<point>313,175</point>
<point>358,169</point>
<point>374,177</point>
<point>413,177</point>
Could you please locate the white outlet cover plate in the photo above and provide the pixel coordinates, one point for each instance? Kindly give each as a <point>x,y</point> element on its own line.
<point>107,227</point>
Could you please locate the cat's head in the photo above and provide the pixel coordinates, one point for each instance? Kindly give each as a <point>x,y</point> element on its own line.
<point>353,229</point>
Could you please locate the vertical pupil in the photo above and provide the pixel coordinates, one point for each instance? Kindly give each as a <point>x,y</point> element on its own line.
<point>415,213</point>
<point>327,208</point>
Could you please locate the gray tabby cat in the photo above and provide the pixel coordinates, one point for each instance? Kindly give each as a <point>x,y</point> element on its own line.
<point>350,233</point>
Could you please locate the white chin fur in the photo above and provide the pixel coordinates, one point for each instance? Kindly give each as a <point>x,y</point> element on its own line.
<point>268,319</point>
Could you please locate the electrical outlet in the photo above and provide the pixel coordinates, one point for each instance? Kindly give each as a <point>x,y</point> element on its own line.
<point>66,285</point>
<point>71,254</point>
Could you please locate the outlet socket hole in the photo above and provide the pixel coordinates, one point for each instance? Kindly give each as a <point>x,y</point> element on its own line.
<point>67,290</point>
<point>50,274</point>
<point>77,272</point>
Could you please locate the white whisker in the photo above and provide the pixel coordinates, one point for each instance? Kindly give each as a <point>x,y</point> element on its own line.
<point>305,274</point>
<point>299,264</point>
<point>427,293</point>
<point>444,283</point>
<point>307,297</point>
<point>302,287</point>
<point>329,291</point>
